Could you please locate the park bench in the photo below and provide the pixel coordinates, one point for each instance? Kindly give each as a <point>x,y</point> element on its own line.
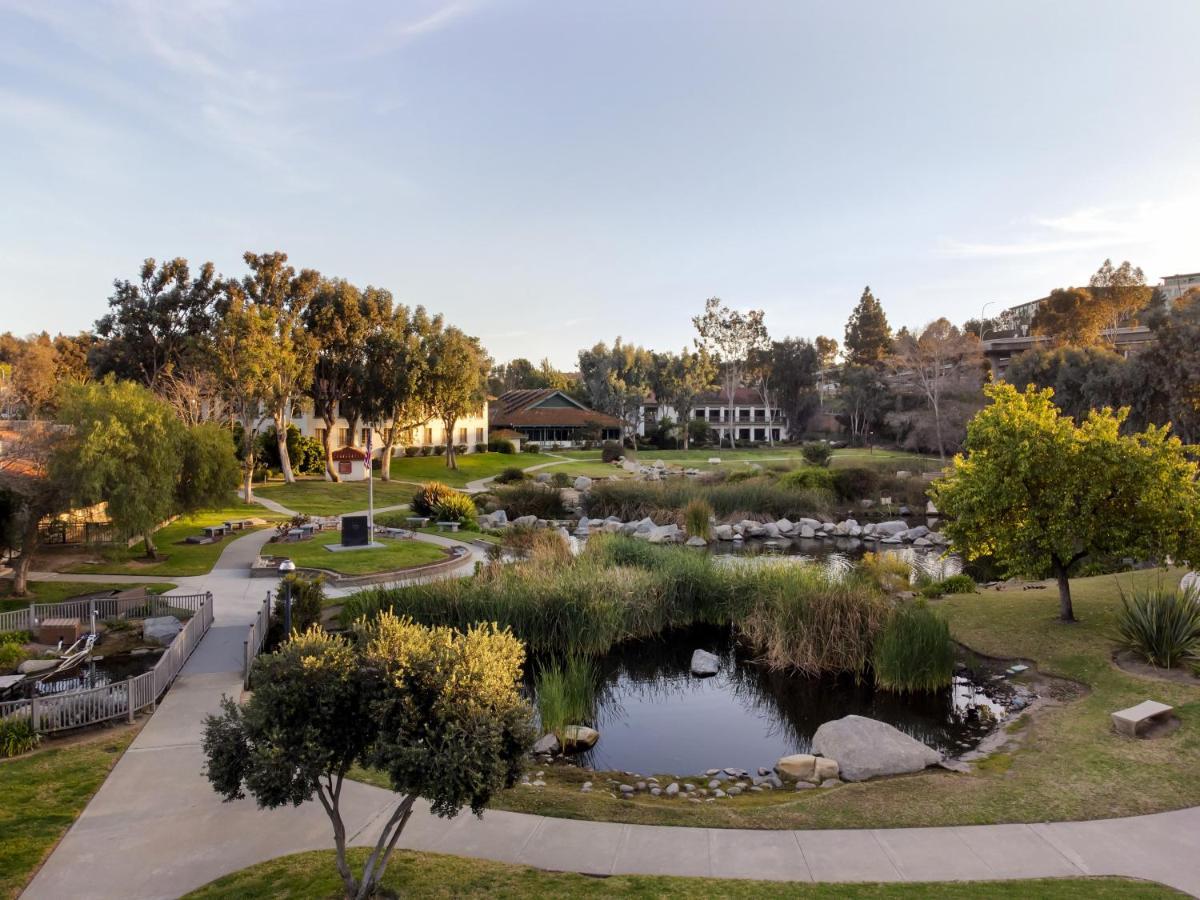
<point>1127,721</point>
<point>447,526</point>
<point>417,521</point>
<point>214,531</point>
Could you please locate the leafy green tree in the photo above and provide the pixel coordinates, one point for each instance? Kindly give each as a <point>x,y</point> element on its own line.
<point>864,398</point>
<point>617,380</point>
<point>28,494</point>
<point>397,387</point>
<point>1040,494</point>
<point>1071,316</point>
<point>731,337</point>
<point>678,380</point>
<point>243,342</point>
<point>1121,291</point>
<point>827,351</point>
<point>868,335</point>
<point>159,324</point>
<point>1083,378</point>
<point>795,363</point>
<point>457,380</point>
<point>439,711</point>
<point>123,449</point>
<point>1169,370</point>
<point>35,377</point>
<point>207,468</point>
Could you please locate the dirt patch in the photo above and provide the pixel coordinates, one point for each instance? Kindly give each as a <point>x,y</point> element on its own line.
<point>1127,661</point>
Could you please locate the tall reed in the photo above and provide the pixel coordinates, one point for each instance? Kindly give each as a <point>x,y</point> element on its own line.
<point>914,651</point>
<point>566,695</point>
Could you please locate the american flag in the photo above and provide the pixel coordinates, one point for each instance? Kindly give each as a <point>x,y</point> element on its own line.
<point>369,436</point>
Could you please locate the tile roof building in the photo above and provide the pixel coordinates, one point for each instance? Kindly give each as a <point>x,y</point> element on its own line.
<point>550,417</point>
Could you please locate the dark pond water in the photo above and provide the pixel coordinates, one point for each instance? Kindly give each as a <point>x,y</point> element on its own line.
<point>655,717</point>
<point>97,673</point>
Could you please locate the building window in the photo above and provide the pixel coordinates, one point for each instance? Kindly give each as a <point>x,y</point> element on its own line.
<point>462,435</point>
<point>429,435</point>
<point>479,435</point>
<point>366,435</point>
<point>321,436</point>
<point>344,437</point>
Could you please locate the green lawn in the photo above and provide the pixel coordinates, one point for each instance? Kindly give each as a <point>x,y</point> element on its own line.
<point>466,536</point>
<point>58,591</point>
<point>396,554</point>
<point>312,875</point>
<point>176,557</point>
<point>1066,763</point>
<point>43,794</point>
<point>470,466</point>
<point>318,497</point>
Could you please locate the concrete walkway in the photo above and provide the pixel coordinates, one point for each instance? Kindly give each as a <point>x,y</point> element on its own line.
<point>156,829</point>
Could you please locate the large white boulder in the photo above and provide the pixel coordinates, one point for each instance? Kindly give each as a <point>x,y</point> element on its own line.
<point>582,483</point>
<point>1190,584</point>
<point>705,663</point>
<point>867,748</point>
<point>579,737</point>
<point>895,526</point>
<point>161,629</point>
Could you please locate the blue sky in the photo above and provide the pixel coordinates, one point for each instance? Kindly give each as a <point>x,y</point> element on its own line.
<point>551,174</point>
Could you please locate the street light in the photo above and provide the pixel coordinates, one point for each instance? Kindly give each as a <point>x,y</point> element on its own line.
<point>286,568</point>
<point>983,320</point>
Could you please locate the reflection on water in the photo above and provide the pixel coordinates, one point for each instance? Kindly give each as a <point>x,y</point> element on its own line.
<point>97,673</point>
<point>654,716</point>
<point>840,554</point>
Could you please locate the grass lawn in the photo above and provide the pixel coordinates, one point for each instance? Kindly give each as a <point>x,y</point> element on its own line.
<point>587,462</point>
<point>409,874</point>
<point>395,554</point>
<point>58,591</point>
<point>471,466</point>
<point>1067,764</point>
<point>318,497</point>
<point>176,557</point>
<point>43,794</point>
<point>466,536</point>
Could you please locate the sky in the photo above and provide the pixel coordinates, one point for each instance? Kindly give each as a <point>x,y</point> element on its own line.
<point>552,174</point>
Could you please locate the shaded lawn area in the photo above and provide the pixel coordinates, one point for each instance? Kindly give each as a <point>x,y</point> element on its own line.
<point>176,557</point>
<point>471,466</point>
<point>395,554</point>
<point>318,497</point>
<point>43,793</point>
<point>58,591</point>
<point>1067,765</point>
<point>410,874</point>
<point>465,536</point>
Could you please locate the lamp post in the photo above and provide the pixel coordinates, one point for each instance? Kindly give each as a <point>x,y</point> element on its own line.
<point>286,568</point>
<point>983,320</point>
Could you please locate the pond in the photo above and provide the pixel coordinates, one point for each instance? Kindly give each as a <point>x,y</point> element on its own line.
<point>96,673</point>
<point>654,716</point>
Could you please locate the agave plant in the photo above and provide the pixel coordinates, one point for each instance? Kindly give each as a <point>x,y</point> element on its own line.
<point>1161,625</point>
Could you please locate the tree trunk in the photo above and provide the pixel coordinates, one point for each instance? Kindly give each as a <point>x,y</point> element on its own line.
<point>389,447</point>
<point>148,540</point>
<point>352,422</point>
<point>248,462</point>
<point>1065,611</point>
<point>23,563</point>
<point>937,427</point>
<point>285,460</point>
<point>248,483</point>
<point>327,443</point>
<point>451,461</point>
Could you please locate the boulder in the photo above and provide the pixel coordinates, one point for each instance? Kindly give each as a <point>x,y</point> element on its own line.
<point>867,748</point>
<point>895,526</point>
<point>1190,583</point>
<point>714,460</point>
<point>161,630</point>
<point>582,483</point>
<point>547,743</point>
<point>542,477</point>
<point>930,509</point>
<point>806,531</point>
<point>696,541</point>
<point>705,663</point>
<point>580,737</point>
<point>664,534</point>
<point>824,769</point>
<point>723,532</point>
<point>37,666</point>
<point>913,533</point>
<point>810,523</point>
<point>525,521</point>
<point>785,526</point>
<point>800,766</point>
<point>499,517</point>
<point>660,464</point>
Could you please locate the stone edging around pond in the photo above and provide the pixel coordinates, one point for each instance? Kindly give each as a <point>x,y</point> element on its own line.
<point>458,557</point>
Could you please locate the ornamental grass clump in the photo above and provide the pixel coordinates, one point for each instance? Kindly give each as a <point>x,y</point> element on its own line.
<point>697,518</point>
<point>17,736</point>
<point>1160,625</point>
<point>529,498</point>
<point>662,500</point>
<point>914,651</point>
<point>428,496</point>
<point>566,695</point>
<point>454,507</point>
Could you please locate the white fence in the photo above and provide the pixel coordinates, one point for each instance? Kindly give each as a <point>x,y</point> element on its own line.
<point>59,712</point>
<point>27,619</point>
<point>255,639</point>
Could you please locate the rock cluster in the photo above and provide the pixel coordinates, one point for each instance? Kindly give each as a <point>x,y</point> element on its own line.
<point>867,748</point>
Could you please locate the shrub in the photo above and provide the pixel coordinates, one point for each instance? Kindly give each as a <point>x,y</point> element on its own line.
<point>12,655</point>
<point>454,507</point>
<point>855,483</point>
<point>428,496</point>
<point>426,450</point>
<point>808,477</point>
<point>501,446</point>
<point>439,449</point>
<point>1160,625</point>
<point>530,498</point>
<point>914,652</point>
<point>560,479</point>
<point>308,596</point>
<point>663,500</point>
<point>15,637</point>
<point>412,451</point>
<point>532,448</point>
<point>17,736</point>
<point>955,584</point>
<point>460,449</point>
<point>509,475</point>
<point>696,517</point>
<point>397,518</point>
<point>611,451</point>
<point>817,453</point>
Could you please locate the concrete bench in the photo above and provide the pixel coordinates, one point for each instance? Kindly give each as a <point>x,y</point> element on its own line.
<point>417,521</point>
<point>447,526</point>
<point>1127,721</point>
<point>214,531</point>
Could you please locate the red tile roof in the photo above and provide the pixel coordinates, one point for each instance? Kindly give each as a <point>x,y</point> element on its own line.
<point>515,409</point>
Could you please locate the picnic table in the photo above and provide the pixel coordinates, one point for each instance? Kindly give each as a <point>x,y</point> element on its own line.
<point>214,531</point>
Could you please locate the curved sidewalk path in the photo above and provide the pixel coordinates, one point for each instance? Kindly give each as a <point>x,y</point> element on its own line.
<point>155,829</point>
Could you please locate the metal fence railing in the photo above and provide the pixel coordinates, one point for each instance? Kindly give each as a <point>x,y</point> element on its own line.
<point>75,709</point>
<point>255,639</point>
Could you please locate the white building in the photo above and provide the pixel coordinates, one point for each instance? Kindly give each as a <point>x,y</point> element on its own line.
<point>752,420</point>
<point>470,432</point>
<point>1175,286</point>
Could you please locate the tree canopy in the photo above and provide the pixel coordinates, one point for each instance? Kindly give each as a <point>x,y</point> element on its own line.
<point>1039,493</point>
<point>439,711</point>
<point>457,379</point>
<point>679,379</point>
<point>731,337</point>
<point>868,335</point>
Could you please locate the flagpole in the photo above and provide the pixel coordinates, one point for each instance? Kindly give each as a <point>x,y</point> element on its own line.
<point>370,489</point>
